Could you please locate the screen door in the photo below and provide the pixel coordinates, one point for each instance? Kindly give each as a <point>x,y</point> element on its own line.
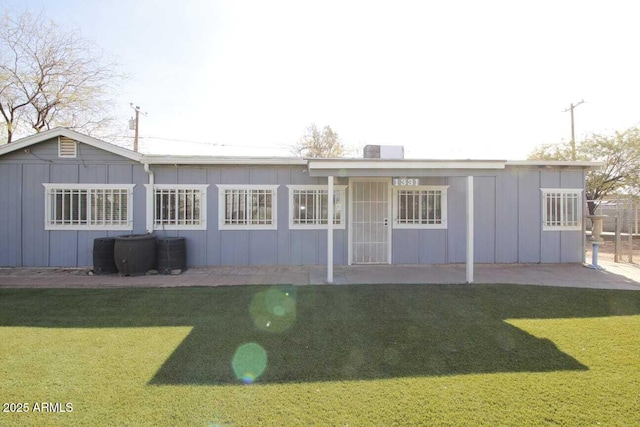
<point>370,227</point>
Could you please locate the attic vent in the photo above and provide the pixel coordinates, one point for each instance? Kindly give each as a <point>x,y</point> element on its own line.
<point>67,148</point>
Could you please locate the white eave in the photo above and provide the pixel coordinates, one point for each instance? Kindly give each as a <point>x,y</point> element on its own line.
<point>382,164</point>
<point>556,164</point>
<point>214,160</point>
<point>23,143</point>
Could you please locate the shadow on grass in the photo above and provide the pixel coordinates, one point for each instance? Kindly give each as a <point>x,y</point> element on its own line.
<point>328,333</point>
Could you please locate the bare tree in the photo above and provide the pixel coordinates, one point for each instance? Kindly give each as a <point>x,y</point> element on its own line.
<point>620,154</point>
<point>317,143</point>
<point>51,77</point>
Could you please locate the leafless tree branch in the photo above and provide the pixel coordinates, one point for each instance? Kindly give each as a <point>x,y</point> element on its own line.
<point>319,143</point>
<point>51,77</point>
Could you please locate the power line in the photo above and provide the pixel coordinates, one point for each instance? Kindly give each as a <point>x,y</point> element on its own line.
<point>213,144</point>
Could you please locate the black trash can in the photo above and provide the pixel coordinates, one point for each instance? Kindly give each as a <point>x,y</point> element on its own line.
<point>171,254</point>
<point>135,255</point>
<point>103,261</point>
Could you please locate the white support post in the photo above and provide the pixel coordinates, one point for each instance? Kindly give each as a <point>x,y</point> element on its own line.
<point>149,198</point>
<point>630,230</point>
<point>469,229</point>
<point>330,229</point>
<point>635,205</point>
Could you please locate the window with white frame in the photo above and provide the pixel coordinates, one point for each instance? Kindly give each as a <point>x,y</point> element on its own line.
<point>561,209</point>
<point>89,206</point>
<point>420,207</point>
<point>242,207</point>
<point>309,206</point>
<point>178,207</point>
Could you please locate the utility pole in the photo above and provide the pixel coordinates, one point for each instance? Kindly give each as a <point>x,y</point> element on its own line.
<point>135,126</point>
<point>573,134</point>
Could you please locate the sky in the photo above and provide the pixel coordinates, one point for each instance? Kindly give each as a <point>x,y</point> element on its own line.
<point>445,79</point>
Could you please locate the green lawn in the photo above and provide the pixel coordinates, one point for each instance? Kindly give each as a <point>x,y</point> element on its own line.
<point>326,355</point>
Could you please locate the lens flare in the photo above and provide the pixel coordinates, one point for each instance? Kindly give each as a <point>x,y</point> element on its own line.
<point>249,362</point>
<point>248,378</point>
<point>274,310</point>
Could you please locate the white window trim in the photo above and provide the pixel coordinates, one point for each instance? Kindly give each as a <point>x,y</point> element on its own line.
<point>443,202</point>
<point>336,188</point>
<point>203,205</point>
<point>222,207</point>
<point>546,227</point>
<point>47,206</point>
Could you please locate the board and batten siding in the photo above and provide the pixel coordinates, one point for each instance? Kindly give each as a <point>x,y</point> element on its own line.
<point>22,197</point>
<point>535,245</point>
<point>420,245</point>
<point>442,246</point>
<point>507,222</point>
<point>282,246</point>
<point>519,235</point>
<point>507,214</point>
<point>11,193</point>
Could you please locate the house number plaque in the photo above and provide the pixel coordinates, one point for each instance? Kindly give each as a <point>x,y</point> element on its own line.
<point>406,182</point>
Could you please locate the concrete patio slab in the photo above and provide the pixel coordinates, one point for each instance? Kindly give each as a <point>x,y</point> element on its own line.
<point>612,276</point>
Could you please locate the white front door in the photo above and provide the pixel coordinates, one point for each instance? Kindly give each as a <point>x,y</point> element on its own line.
<point>370,221</point>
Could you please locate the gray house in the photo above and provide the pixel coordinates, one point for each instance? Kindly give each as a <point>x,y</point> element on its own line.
<point>59,190</point>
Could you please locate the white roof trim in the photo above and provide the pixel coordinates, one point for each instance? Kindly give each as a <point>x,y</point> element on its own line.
<point>556,163</point>
<point>213,160</point>
<point>56,132</point>
<point>320,164</point>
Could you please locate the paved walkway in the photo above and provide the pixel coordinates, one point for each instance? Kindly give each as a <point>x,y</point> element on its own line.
<point>613,276</point>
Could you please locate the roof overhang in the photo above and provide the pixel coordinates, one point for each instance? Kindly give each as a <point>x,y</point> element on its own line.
<point>416,167</point>
<point>413,167</point>
<point>68,133</point>
<point>214,160</point>
<point>559,164</point>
